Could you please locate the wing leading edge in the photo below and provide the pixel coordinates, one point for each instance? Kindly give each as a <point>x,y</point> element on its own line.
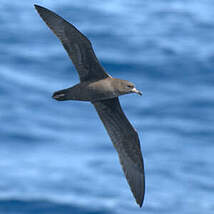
<point>77,45</point>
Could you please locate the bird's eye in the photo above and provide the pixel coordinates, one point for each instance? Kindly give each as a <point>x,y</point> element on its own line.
<point>130,86</point>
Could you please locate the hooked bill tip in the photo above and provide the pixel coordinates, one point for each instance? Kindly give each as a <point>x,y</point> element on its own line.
<point>140,93</point>
<point>134,90</point>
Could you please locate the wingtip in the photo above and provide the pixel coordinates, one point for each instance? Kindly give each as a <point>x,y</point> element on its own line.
<point>140,197</point>
<point>37,6</point>
<point>140,203</point>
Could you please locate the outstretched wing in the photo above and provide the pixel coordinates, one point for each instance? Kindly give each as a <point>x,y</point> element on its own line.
<point>126,142</point>
<point>77,45</point>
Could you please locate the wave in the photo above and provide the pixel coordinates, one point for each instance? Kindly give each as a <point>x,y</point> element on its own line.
<point>20,206</point>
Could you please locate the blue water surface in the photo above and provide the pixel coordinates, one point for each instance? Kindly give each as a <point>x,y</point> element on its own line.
<point>56,157</point>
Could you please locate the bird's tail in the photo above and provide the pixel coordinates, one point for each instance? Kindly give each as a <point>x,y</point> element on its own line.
<point>60,95</point>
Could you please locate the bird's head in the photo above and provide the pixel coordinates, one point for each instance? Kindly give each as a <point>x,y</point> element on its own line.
<point>126,87</point>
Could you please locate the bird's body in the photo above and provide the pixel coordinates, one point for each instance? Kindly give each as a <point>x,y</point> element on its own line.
<point>92,91</point>
<point>99,88</point>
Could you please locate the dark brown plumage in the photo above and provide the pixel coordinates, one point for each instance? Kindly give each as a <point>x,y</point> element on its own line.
<point>102,91</point>
<point>126,142</point>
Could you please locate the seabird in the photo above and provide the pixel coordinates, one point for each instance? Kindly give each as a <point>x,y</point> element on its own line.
<point>99,88</point>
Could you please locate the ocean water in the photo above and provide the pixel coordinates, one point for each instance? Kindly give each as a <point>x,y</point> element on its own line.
<point>56,157</point>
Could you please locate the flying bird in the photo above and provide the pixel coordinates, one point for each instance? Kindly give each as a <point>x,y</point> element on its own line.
<point>99,88</point>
